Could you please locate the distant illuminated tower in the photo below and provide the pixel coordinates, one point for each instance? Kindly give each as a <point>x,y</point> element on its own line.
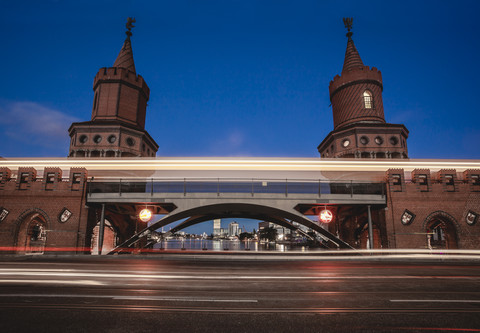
<point>117,127</point>
<point>217,227</point>
<point>360,129</point>
<point>233,229</point>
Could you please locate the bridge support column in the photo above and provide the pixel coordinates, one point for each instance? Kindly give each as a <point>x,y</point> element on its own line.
<point>370,229</point>
<point>101,230</point>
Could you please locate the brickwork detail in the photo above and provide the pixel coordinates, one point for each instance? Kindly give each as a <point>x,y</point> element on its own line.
<point>36,201</point>
<point>432,202</point>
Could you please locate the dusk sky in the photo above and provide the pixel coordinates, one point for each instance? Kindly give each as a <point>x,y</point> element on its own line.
<point>241,78</point>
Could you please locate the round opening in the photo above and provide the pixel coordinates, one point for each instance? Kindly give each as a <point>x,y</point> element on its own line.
<point>97,139</point>
<point>394,140</point>
<point>346,143</point>
<point>378,140</point>
<point>112,138</point>
<point>364,140</point>
<point>130,141</point>
<point>83,138</point>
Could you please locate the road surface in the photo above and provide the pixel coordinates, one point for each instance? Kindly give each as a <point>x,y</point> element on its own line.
<point>229,293</point>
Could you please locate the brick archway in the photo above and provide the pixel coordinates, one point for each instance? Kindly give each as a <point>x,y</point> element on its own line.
<point>442,231</point>
<point>31,231</point>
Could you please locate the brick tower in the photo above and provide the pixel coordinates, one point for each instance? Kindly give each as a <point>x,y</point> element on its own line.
<point>117,128</point>
<point>360,130</point>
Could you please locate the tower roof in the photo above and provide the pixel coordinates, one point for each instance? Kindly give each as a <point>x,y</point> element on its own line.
<point>352,58</point>
<point>125,57</point>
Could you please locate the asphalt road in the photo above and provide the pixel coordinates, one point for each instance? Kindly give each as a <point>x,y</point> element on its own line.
<point>182,293</point>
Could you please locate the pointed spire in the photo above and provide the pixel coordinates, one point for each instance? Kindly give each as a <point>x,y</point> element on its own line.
<point>352,57</point>
<point>125,57</point>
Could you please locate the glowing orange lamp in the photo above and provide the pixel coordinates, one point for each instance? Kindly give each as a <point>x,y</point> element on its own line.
<point>326,216</point>
<point>145,215</point>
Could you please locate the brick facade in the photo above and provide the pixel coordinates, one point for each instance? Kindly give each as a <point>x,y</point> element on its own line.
<point>432,198</point>
<point>44,198</point>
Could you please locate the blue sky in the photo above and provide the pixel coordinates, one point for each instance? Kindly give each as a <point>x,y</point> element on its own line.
<point>241,78</point>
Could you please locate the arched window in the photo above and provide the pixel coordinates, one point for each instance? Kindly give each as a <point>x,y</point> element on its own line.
<point>368,99</point>
<point>441,232</point>
<point>36,237</point>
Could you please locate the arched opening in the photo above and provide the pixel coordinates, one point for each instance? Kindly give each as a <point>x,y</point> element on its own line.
<point>368,99</point>
<point>110,153</point>
<point>32,234</point>
<point>109,238</point>
<point>95,153</point>
<point>381,155</point>
<point>441,232</point>
<point>237,210</point>
<point>80,153</point>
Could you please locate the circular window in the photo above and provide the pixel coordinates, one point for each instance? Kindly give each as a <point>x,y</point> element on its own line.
<point>378,140</point>
<point>394,140</point>
<point>345,143</point>
<point>364,140</point>
<point>112,138</point>
<point>130,141</point>
<point>83,139</point>
<point>97,139</point>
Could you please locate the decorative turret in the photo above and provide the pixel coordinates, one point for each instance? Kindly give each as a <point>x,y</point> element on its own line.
<point>360,129</point>
<point>121,94</point>
<point>356,95</point>
<point>117,128</point>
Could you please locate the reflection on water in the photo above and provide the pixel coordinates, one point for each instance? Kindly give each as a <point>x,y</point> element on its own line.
<point>226,245</point>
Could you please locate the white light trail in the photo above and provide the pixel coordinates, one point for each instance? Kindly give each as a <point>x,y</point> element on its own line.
<point>260,164</point>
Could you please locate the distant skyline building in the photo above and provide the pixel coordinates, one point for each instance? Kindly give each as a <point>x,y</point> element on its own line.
<point>217,227</point>
<point>233,229</point>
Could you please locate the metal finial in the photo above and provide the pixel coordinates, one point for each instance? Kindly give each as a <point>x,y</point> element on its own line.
<point>348,21</point>
<point>129,25</point>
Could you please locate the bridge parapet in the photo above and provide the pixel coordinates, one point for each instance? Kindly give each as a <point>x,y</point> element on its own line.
<point>219,186</point>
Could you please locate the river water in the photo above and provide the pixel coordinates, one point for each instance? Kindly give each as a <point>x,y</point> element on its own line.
<point>227,245</point>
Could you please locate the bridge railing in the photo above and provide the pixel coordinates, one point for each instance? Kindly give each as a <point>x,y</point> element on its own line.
<point>223,186</point>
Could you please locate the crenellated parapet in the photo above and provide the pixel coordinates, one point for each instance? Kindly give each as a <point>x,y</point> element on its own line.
<point>349,93</point>
<point>441,181</point>
<point>357,75</point>
<point>117,75</point>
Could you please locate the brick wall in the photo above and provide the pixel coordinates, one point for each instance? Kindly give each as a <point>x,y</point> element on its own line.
<point>46,198</point>
<point>436,197</point>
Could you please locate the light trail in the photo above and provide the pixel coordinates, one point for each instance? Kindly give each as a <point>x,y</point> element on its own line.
<point>160,276</point>
<point>436,300</point>
<point>229,164</point>
<point>61,282</point>
<point>135,298</point>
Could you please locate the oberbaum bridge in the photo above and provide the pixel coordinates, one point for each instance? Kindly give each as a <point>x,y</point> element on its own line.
<point>364,189</point>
